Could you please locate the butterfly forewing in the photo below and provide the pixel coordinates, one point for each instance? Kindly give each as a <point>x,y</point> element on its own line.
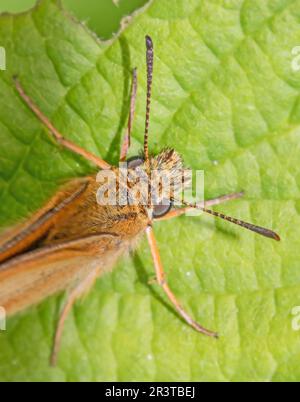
<point>31,277</point>
<point>32,269</point>
<point>25,235</point>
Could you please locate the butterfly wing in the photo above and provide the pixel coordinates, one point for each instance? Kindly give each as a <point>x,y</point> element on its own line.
<point>31,277</point>
<point>22,237</point>
<point>30,271</point>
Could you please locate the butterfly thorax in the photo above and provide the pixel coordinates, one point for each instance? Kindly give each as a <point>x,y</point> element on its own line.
<point>121,200</point>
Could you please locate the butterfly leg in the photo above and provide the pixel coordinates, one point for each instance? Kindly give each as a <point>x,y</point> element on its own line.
<point>209,203</point>
<point>223,198</point>
<point>127,139</point>
<point>72,297</point>
<point>56,134</point>
<point>160,276</point>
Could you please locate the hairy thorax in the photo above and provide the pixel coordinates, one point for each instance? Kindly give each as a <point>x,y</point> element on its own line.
<point>89,216</point>
<point>116,200</point>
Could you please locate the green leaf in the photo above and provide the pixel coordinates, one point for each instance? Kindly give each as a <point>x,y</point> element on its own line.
<point>226,97</point>
<point>103,17</point>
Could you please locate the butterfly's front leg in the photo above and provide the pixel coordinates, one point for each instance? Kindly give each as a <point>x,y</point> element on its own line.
<point>56,134</point>
<point>127,138</point>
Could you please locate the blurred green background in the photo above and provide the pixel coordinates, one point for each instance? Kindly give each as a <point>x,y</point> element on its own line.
<point>102,16</point>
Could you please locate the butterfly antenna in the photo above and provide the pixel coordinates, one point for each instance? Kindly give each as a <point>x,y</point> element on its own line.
<point>254,228</point>
<point>149,61</point>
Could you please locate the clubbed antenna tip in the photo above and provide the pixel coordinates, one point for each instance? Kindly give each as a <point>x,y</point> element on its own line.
<point>149,43</point>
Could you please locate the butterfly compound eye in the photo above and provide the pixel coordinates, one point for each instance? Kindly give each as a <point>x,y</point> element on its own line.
<point>162,208</point>
<point>134,162</point>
